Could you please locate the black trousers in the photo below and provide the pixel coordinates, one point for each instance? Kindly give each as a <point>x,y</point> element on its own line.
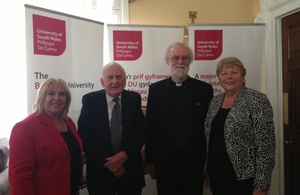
<point>244,187</point>
<point>179,179</point>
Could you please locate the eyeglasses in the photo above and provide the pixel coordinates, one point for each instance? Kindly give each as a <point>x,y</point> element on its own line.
<point>175,59</point>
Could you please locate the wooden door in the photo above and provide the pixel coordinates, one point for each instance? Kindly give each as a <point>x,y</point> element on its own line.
<point>291,98</point>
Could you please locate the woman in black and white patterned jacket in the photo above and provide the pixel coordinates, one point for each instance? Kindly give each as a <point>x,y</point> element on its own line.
<point>240,136</point>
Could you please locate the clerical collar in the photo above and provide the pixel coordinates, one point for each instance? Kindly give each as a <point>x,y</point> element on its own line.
<point>178,84</point>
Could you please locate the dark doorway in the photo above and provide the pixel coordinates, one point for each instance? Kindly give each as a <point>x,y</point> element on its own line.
<point>291,104</point>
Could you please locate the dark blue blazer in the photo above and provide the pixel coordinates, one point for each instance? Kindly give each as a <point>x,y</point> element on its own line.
<point>93,127</point>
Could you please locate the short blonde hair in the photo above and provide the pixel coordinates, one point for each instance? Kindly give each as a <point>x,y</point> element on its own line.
<point>38,106</point>
<point>230,62</point>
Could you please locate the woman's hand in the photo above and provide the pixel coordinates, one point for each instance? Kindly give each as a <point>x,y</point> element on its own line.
<point>151,171</point>
<point>206,183</point>
<point>257,191</point>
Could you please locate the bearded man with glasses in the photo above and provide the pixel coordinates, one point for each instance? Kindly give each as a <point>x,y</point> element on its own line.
<point>176,110</point>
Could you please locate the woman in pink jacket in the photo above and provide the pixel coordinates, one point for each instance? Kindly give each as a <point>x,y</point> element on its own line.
<point>45,149</point>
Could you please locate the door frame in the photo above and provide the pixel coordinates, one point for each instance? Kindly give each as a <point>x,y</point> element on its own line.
<point>271,14</point>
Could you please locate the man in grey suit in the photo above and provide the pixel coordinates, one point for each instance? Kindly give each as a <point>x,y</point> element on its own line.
<point>175,141</point>
<point>114,161</point>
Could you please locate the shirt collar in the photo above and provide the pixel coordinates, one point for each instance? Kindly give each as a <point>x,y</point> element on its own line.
<point>109,98</point>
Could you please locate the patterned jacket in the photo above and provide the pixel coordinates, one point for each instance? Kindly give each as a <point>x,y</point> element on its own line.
<point>249,136</point>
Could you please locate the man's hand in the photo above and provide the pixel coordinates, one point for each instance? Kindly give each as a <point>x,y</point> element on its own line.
<point>115,162</point>
<point>119,172</point>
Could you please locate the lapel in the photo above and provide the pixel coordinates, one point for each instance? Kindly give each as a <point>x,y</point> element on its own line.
<point>167,97</point>
<point>166,100</point>
<point>214,107</point>
<point>71,126</point>
<point>52,131</point>
<point>126,109</point>
<point>101,112</point>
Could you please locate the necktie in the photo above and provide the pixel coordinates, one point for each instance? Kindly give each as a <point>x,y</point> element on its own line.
<point>116,126</point>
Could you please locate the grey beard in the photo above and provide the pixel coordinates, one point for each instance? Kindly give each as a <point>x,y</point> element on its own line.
<point>179,74</point>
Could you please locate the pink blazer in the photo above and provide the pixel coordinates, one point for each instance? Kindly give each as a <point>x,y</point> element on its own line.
<point>39,159</point>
